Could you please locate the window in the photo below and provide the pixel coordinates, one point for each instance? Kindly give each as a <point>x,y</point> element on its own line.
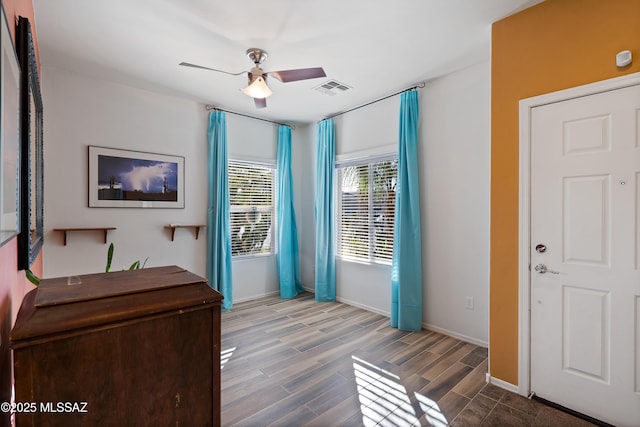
<point>251,194</point>
<point>366,207</point>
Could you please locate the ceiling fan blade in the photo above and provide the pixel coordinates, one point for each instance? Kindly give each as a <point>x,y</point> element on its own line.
<point>260,102</point>
<point>186,64</point>
<point>286,76</point>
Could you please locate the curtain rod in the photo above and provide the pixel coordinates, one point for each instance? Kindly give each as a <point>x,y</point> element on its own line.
<point>213,107</point>
<point>419,85</point>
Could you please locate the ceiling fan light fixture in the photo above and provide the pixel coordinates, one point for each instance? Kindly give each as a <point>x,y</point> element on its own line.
<point>257,89</point>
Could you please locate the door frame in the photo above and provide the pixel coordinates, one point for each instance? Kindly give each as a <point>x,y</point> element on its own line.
<point>524,209</point>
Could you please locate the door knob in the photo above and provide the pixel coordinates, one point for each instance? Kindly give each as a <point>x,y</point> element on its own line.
<point>542,269</point>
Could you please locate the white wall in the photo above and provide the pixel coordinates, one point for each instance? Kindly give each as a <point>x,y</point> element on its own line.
<point>304,171</point>
<point>454,166</point>
<point>81,111</point>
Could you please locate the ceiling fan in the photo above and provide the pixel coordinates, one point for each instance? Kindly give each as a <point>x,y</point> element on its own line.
<point>257,87</point>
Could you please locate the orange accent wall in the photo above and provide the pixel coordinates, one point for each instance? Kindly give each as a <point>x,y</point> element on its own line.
<point>554,45</point>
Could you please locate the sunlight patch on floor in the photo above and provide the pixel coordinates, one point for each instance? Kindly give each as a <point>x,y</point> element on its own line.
<point>225,355</point>
<point>435,417</point>
<point>384,400</point>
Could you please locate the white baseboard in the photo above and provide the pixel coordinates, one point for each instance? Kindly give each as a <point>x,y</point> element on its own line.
<point>254,297</point>
<point>461,337</point>
<point>355,304</point>
<point>363,306</point>
<point>502,384</point>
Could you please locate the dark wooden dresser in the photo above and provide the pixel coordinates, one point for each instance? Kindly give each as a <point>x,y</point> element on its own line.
<point>130,348</point>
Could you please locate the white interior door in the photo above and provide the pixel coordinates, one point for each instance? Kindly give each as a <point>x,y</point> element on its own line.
<point>585,281</point>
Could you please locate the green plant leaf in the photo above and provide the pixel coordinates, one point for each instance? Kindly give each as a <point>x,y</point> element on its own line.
<point>32,277</point>
<point>135,265</point>
<point>109,257</point>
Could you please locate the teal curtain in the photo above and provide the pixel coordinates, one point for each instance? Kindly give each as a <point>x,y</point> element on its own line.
<point>406,264</point>
<point>218,229</point>
<point>288,257</point>
<point>325,229</point>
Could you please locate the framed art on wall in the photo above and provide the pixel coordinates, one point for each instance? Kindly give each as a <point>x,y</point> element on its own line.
<point>9,136</point>
<point>31,235</point>
<point>134,179</point>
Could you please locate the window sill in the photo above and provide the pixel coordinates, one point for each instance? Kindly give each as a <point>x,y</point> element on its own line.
<point>252,256</point>
<point>362,262</point>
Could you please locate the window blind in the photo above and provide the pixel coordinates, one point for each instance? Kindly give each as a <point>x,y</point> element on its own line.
<point>251,194</point>
<point>366,199</point>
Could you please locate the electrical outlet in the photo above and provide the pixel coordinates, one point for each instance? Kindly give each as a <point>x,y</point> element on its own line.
<point>469,303</point>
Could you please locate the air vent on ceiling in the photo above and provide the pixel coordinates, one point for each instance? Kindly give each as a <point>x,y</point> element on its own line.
<point>332,87</point>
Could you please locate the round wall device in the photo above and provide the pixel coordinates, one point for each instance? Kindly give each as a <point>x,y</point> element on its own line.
<point>623,58</point>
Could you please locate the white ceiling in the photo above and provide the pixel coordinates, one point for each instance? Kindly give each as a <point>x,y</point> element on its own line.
<point>377,47</point>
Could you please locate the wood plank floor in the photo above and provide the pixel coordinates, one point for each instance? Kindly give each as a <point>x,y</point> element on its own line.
<point>298,362</point>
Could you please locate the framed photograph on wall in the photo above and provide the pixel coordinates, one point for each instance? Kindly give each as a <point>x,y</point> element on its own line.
<point>9,136</point>
<point>134,179</point>
<point>31,237</point>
